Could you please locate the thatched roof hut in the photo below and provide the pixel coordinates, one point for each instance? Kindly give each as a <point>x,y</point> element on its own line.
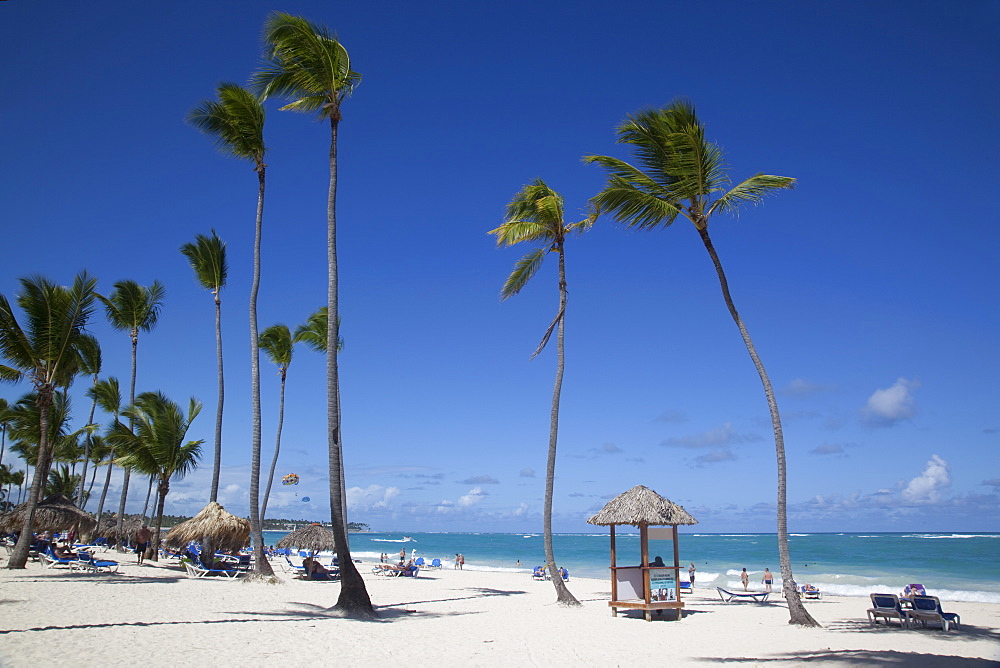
<point>227,531</point>
<point>641,505</point>
<point>108,526</point>
<point>56,513</point>
<point>313,537</point>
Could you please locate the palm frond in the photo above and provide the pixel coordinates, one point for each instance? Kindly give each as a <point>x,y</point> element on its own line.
<point>133,307</point>
<point>525,268</point>
<point>548,333</point>
<point>751,191</point>
<point>305,62</point>
<point>515,232</point>
<point>636,207</point>
<point>235,120</point>
<point>314,331</point>
<point>276,342</point>
<point>207,257</point>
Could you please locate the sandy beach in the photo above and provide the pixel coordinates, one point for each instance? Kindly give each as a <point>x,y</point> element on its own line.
<point>157,615</point>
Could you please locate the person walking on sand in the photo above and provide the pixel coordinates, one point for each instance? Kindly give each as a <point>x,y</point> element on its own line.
<point>142,538</point>
<point>456,561</point>
<point>691,570</point>
<point>767,580</point>
<point>745,579</point>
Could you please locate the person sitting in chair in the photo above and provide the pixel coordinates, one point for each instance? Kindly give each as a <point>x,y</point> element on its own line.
<point>315,570</point>
<point>63,552</point>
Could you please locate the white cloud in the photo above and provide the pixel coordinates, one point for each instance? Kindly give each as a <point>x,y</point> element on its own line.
<point>474,496</point>
<point>373,496</point>
<point>721,436</point>
<point>527,473</point>
<point>888,406</point>
<point>926,487</point>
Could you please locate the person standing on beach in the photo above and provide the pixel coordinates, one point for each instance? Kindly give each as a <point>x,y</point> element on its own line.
<point>142,537</point>
<point>402,555</point>
<point>767,580</point>
<point>745,579</point>
<point>691,570</point>
<point>456,561</point>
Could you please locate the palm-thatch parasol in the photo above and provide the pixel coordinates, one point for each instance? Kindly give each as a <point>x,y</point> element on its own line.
<point>226,531</point>
<point>641,505</point>
<point>313,537</point>
<point>56,513</point>
<point>108,527</point>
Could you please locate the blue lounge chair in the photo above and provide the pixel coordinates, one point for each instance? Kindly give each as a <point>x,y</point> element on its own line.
<point>539,573</point>
<point>419,562</point>
<point>928,609</point>
<point>435,563</point>
<point>49,558</point>
<point>887,607</point>
<point>85,561</point>
<point>565,574</point>
<point>199,570</point>
<point>810,593</point>
<point>731,596</point>
<point>295,569</point>
<point>410,572</point>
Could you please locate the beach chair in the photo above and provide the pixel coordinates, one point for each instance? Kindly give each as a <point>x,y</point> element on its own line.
<point>293,567</point>
<point>565,574</point>
<point>410,572</point>
<point>685,587</point>
<point>49,559</point>
<point>928,609</point>
<point>419,562</point>
<point>538,573</point>
<point>85,561</point>
<point>887,606</point>
<point>435,563</point>
<point>199,570</point>
<point>741,596</point>
<point>813,593</point>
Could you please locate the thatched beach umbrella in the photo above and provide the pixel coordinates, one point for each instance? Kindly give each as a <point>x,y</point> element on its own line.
<point>108,527</point>
<point>56,513</point>
<point>226,531</point>
<point>646,587</point>
<point>313,537</point>
<point>641,505</point>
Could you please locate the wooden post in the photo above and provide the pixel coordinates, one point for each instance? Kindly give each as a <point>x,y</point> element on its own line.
<point>614,573</point>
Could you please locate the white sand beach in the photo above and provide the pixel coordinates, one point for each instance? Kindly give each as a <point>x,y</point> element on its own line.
<point>157,615</point>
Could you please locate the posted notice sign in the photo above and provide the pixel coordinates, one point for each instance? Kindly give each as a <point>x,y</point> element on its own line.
<point>663,585</point>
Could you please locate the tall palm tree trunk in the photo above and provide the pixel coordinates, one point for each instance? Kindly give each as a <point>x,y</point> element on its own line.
<point>19,558</point>
<point>354,599</point>
<point>161,496</point>
<point>563,594</point>
<point>128,471</point>
<point>217,467</point>
<point>149,493</point>
<point>107,483</point>
<point>86,454</point>
<point>797,612</point>
<point>262,567</point>
<point>277,446</point>
<point>90,488</point>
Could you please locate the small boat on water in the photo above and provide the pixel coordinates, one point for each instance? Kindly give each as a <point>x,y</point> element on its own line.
<point>404,539</point>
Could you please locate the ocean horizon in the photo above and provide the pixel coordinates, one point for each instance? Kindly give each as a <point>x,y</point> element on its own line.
<point>953,566</point>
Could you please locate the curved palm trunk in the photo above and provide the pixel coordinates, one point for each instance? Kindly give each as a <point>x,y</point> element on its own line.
<point>128,471</point>
<point>262,567</point>
<point>19,558</point>
<point>86,455</point>
<point>797,612</point>
<point>354,600</point>
<point>277,446</point>
<point>149,493</point>
<point>107,482</point>
<point>90,487</point>
<point>217,467</point>
<point>563,594</point>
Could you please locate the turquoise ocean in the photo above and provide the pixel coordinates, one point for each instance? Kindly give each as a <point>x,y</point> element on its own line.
<point>955,567</point>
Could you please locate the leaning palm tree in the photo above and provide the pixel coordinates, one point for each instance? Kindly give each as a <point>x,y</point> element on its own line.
<point>155,445</point>
<point>681,174</point>
<point>132,308</point>
<point>107,394</point>
<point>207,256</point>
<point>306,63</point>
<point>536,215</point>
<point>100,455</point>
<point>90,359</point>
<point>276,342</point>
<point>236,120</point>
<point>45,352</point>
<point>4,421</point>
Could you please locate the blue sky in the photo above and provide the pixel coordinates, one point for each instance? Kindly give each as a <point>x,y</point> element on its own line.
<point>870,289</point>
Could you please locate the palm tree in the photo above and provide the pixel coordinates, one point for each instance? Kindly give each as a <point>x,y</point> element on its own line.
<point>276,342</point>
<point>207,256</point>
<point>236,120</point>
<point>683,174</point>
<point>132,308</point>
<point>155,445</point>
<point>536,214</point>
<point>108,396</point>
<point>100,453</point>
<point>91,366</point>
<point>313,333</point>
<point>62,481</point>
<point>306,63</point>
<point>4,421</point>
<point>46,353</point>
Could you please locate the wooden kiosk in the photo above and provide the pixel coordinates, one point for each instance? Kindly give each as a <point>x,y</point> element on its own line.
<point>645,587</point>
